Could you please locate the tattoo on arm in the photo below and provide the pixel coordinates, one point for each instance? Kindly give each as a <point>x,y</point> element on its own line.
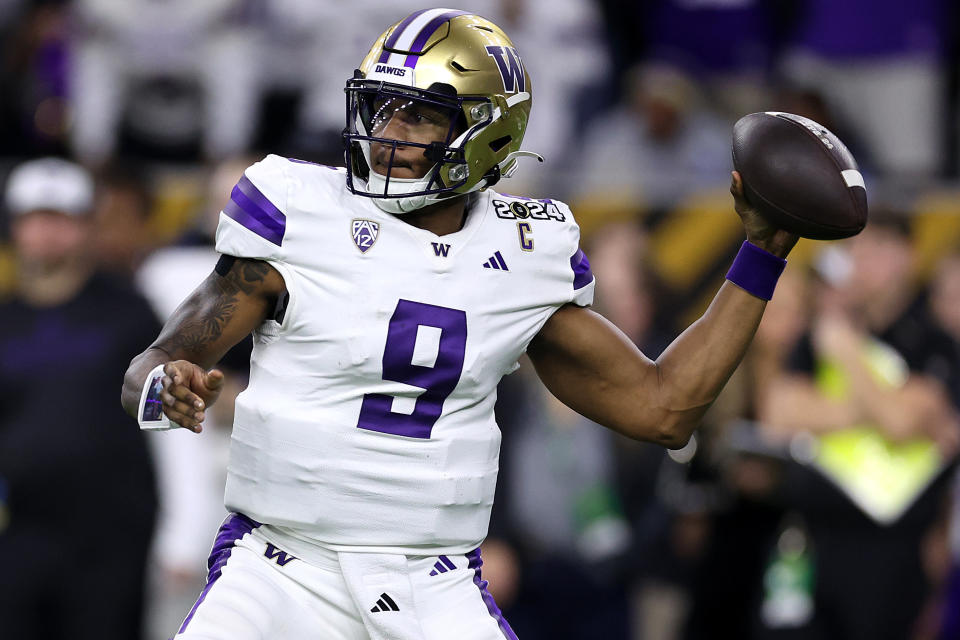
<point>204,329</point>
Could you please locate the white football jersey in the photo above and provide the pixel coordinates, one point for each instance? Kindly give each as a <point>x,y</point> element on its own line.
<point>368,422</point>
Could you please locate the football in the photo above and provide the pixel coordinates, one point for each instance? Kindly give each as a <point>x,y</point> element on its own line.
<point>799,176</point>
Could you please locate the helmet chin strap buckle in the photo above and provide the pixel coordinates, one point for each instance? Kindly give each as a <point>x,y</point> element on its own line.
<point>492,177</point>
<point>436,152</point>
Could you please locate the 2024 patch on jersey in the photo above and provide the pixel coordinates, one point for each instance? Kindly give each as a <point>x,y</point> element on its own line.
<point>368,421</point>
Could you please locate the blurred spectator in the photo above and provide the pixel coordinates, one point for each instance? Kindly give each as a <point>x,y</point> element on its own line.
<point>696,36</point>
<point>945,308</point>
<point>76,470</point>
<point>863,380</point>
<point>34,77</point>
<point>121,211</point>
<point>173,75</point>
<point>870,290</point>
<point>883,76</point>
<point>657,146</point>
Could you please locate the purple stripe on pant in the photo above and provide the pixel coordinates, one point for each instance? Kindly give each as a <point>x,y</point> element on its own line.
<point>474,561</point>
<point>233,528</point>
<point>582,275</point>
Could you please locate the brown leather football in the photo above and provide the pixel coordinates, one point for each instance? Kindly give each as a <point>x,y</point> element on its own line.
<point>799,175</point>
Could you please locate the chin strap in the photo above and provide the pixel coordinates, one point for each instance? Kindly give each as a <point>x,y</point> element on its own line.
<point>506,168</point>
<point>507,171</point>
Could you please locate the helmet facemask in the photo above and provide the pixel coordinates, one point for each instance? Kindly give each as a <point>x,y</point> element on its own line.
<point>372,159</point>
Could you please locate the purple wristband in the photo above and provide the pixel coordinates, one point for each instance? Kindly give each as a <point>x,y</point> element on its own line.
<point>756,271</point>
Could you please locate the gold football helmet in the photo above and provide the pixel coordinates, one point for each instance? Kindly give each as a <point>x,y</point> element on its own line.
<point>456,71</point>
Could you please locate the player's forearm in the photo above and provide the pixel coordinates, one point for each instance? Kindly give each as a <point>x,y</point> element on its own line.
<point>697,364</point>
<point>695,367</point>
<point>223,310</point>
<point>594,369</point>
<point>136,376</point>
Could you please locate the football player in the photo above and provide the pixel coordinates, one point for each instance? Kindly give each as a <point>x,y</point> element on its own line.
<point>387,299</point>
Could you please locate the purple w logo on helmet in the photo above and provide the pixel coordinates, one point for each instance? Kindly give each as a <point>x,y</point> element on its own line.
<point>511,68</point>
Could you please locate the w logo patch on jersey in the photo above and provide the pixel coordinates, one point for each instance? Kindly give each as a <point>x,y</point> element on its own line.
<point>365,233</point>
<point>281,557</point>
<point>511,68</point>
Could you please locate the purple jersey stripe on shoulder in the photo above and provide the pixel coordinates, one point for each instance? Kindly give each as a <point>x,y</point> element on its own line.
<point>474,561</point>
<point>262,202</point>
<point>426,32</point>
<point>582,275</point>
<point>233,528</point>
<point>258,215</point>
<point>251,222</point>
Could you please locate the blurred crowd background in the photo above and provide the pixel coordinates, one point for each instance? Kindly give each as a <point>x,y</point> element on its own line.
<point>817,500</point>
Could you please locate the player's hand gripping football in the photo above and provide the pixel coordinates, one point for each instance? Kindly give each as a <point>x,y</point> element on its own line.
<point>760,232</point>
<point>187,392</point>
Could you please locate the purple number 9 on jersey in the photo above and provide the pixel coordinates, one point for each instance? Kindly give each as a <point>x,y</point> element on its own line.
<point>438,381</point>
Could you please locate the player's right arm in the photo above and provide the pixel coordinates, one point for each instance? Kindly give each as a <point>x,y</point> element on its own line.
<point>593,368</point>
<point>233,301</point>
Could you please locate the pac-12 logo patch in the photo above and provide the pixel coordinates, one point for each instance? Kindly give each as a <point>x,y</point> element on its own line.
<point>365,233</point>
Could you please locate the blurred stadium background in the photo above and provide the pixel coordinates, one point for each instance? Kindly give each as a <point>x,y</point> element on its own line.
<point>740,535</point>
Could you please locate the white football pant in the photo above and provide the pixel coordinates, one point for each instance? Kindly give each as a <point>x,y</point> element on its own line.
<point>258,591</point>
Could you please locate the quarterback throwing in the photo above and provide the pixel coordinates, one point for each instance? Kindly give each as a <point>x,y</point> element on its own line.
<point>387,299</point>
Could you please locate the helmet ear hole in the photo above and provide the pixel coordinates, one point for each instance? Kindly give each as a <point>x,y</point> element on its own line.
<point>461,124</point>
<point>500,143</point>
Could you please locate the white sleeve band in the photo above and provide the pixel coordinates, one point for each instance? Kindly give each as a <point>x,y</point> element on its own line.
<point>150,411</point>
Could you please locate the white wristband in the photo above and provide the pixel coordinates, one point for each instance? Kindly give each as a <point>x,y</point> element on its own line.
<point>150,412</point>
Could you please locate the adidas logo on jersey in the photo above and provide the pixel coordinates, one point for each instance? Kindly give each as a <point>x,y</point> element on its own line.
<point>442,565</point>
<point>384,603</point>
<point>496,261</point>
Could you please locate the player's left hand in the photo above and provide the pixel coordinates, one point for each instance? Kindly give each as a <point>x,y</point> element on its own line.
<point>187,391</point>
<point>759,231</point>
